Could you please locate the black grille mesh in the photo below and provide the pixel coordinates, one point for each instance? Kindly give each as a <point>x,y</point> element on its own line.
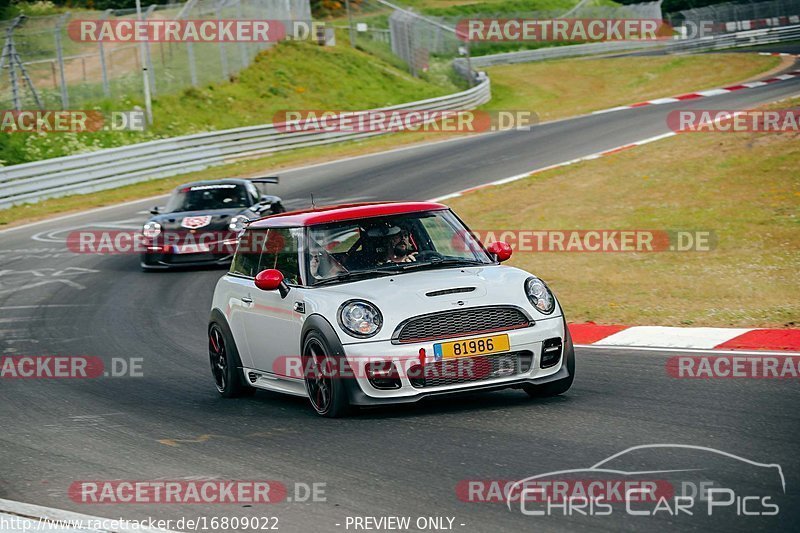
<point>461,322</point>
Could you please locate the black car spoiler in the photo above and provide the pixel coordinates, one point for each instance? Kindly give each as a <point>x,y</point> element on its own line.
<point>266,179</point>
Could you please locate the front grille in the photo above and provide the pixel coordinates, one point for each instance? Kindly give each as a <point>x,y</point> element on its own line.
<point>178,259</point>
<point>468,369</point>
<point>459,323</point>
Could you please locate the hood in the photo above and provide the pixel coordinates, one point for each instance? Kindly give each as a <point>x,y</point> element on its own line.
<point>411,294</point>
<point>208,220</point>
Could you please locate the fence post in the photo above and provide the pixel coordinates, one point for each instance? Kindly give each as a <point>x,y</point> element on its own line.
<point>222,53</point>
<point>149,55</point>
<point>184,14</point>
<point>242,45</point>
<point>60,56</point>
<point>106,87</point>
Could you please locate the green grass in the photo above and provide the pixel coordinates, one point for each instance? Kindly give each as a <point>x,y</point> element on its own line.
<point>743,187</point>
<point>556,89</point>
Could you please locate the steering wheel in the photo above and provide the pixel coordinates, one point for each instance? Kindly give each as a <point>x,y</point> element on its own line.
<point>427,255</point>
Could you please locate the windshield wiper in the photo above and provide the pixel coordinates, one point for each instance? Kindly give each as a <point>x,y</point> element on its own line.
<point>440,262</point>
<point>356,274</point>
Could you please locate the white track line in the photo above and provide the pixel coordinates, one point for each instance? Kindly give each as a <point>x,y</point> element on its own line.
<point>686,350</point>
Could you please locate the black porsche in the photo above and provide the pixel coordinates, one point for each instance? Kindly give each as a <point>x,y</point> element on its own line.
<point>202,220</point>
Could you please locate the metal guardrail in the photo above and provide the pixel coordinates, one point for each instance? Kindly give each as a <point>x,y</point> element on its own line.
<point>738,39</point>
<point>115,167</point>
<point>716,42</point>
<point>558,52</point>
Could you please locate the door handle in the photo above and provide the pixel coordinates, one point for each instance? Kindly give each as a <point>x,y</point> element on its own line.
<point>247,300</point>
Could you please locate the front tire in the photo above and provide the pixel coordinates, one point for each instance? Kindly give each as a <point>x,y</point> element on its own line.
<point>225,364</point>
<point>561,386</point>
<point>324,383</point>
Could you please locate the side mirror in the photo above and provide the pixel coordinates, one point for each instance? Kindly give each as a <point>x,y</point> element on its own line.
<point>270,280</point>
<point>501,250</point>
<point>155,210</point>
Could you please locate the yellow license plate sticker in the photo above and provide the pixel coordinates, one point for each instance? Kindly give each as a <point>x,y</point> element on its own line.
<point>470,347</point>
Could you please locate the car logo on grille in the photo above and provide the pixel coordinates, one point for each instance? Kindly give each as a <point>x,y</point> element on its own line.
<point>196,222</point>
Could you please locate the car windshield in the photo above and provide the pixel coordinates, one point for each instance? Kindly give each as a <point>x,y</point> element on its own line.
<point>365,248</point>
<point>203,197</point>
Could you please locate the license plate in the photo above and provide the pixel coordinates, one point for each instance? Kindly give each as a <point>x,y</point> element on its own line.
<point>193,248</point>
<point>470,347</point>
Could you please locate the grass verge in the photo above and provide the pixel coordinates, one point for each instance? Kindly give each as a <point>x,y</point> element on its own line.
<point>556,89</point>
<point>743,187</point>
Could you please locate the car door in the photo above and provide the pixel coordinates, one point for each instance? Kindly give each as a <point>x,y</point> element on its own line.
<point>240,287</point>
<point>273,325</point>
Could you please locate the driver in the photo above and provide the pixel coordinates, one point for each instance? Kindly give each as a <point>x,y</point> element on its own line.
<point>322,264</point>
<point>393,245</point>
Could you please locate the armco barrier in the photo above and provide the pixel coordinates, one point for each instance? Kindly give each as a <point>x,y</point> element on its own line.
<point>115,167</point>
<point>715,42</point>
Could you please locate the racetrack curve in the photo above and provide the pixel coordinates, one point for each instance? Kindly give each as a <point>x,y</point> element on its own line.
<point>171,424</point>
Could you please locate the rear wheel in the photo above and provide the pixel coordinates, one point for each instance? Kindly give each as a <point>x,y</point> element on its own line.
<point>324,382</point>
<point>225,364</point>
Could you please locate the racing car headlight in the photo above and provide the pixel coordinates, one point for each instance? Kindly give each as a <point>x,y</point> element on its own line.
<point>360,319</point>
<point>539,295</point>
<point>238,223</point>
<point>151,230</point>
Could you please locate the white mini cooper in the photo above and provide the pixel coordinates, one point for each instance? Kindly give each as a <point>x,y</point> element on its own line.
<point>370,304</point>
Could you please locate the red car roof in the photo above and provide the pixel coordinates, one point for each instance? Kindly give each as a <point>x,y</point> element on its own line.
<point>338,213</point>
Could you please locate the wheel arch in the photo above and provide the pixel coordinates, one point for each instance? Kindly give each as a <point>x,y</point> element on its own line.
<point>319,323</point>
<point>218,317</point>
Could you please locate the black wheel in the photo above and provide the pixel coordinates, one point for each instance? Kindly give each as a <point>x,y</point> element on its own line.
<point>555,388</point>
<point>225,364</point>
<point>324,384</point>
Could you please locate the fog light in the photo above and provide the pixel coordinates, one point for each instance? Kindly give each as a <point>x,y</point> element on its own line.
<point>551,352</point>
<point>383,375</point>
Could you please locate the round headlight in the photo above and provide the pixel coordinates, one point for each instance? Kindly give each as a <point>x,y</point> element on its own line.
<point>360,319</point>
<point>539,295</point>
<point>151,230</point>
<point>238,223</point>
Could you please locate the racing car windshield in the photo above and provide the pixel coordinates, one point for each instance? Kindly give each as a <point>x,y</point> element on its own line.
<point>209,196</point>
<point>365,248</point>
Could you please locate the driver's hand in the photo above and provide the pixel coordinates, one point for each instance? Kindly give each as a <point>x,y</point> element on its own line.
<point>410,258</point>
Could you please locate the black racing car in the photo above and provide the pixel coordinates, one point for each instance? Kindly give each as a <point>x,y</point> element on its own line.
<point>202,220</point>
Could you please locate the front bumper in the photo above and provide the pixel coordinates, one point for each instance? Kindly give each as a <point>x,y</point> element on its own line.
<point>526,341</point>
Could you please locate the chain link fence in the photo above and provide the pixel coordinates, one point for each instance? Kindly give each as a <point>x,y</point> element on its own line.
<point>743,15</point>
<point>68,74</point>
<point>416,39</point>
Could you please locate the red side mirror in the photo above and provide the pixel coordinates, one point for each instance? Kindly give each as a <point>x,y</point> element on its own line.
<point>501,250</point>
<point>269,280</point>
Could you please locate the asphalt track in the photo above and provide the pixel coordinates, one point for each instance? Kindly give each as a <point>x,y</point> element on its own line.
<point>171,424</point>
